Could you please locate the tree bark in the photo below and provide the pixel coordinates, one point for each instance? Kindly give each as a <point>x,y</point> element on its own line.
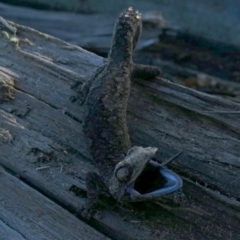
<point>42,143</point>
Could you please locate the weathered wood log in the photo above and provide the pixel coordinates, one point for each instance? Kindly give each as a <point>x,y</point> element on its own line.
<point>41,140</point>
<point>27,214</point>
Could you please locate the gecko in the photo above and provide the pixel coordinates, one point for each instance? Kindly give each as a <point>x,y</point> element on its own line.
<point>105,128</point>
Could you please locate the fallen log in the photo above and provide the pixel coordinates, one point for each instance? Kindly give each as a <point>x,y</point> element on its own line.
<point>41,140</point>
<point>16,212</point>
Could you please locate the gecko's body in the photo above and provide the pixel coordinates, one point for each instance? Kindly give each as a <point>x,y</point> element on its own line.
<point>105,123</point>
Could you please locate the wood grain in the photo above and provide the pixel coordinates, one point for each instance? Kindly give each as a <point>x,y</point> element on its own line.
<point>42,143</point>
<point>26,214</point>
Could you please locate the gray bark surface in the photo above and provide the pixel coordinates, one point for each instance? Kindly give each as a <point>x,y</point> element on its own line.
<point>41,141</point>
<point>27,214</point>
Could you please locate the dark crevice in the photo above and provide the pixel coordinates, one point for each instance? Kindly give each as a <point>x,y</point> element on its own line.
<point>187,111</point>
<point>73,117</point>
<point>50,105</point>
<point>99,226</point>
<point>40,100</point>
<point>37,188</point>
<point>11,227</point>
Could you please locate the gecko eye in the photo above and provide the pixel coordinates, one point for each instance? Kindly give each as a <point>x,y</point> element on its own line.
<point>123,174</point>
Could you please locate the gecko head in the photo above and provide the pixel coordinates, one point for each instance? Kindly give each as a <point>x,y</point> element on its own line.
<point>128,170</point>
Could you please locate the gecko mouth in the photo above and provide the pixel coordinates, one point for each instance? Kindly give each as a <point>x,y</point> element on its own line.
<point>155,180</point>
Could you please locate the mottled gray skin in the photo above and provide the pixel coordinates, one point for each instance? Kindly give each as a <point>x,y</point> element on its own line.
<point>105,124</point>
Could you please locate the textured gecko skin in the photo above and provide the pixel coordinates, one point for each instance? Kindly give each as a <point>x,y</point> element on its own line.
<point>105,125</point>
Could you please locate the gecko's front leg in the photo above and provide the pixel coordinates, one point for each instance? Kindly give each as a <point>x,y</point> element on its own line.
<point>145,71</point>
